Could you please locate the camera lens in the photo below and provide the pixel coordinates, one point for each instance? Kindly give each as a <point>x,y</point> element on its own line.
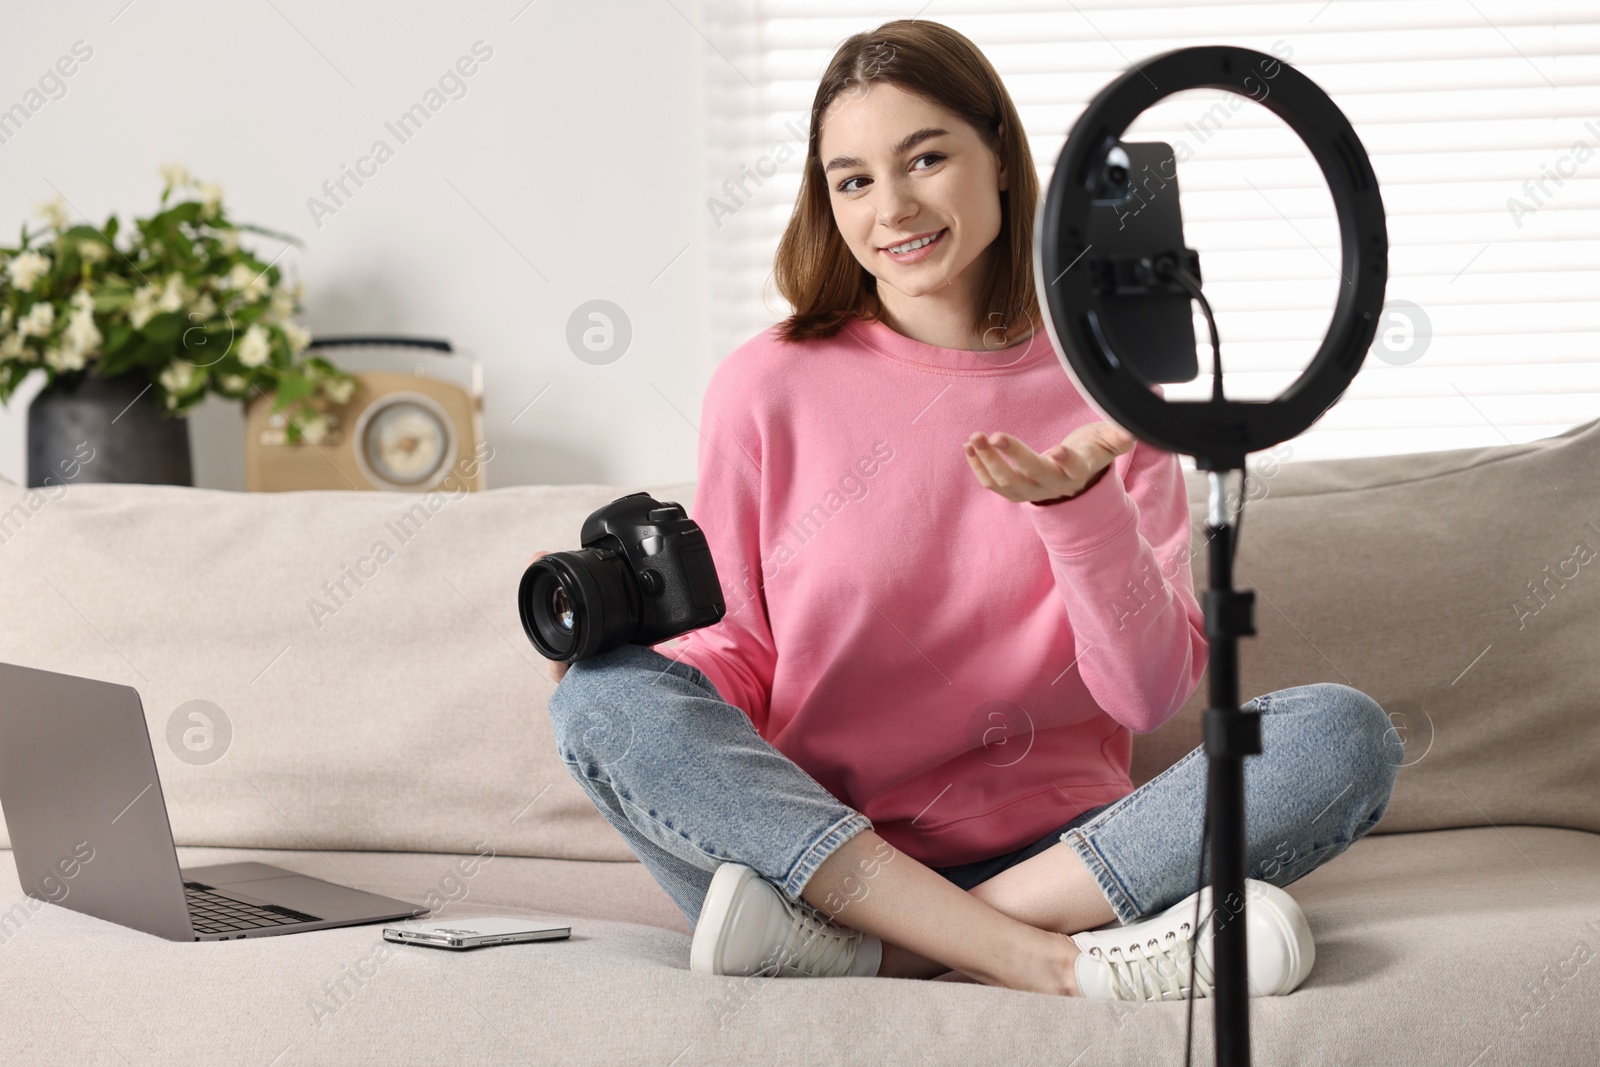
<point>578,604</point>
<point>561,608</point>
<point>1114,185</point>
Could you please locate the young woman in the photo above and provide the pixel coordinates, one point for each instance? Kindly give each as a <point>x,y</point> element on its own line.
<point>905,749</point>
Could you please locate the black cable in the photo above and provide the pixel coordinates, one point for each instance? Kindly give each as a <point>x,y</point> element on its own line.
<point>1194,954</point>
<point>1164,268</point>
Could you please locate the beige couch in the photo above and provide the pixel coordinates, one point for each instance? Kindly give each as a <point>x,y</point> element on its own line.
<point>388,731</point>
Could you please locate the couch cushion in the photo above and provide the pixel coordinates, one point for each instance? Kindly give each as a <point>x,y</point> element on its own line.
<point>1456,947</point>
<point>364,647</point>
<point>1459,589</point>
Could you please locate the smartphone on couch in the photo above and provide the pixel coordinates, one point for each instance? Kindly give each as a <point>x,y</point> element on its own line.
<point>475,933</point>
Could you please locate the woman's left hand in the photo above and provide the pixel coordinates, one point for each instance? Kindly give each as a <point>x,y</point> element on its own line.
<point>1018,473</point>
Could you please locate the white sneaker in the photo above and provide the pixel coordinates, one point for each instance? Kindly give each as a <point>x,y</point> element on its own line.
<point>1150,960</point>
<point>747,926</point>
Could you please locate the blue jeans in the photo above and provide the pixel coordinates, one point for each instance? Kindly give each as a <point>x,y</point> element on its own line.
<point>689,783</point>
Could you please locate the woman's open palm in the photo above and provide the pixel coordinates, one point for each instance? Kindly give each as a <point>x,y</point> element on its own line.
<point>1018,473</point>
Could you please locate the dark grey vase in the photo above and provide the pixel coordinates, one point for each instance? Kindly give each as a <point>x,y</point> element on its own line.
<point>85,428</point>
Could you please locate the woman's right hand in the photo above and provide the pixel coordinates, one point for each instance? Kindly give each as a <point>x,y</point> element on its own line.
<point>553,667</point>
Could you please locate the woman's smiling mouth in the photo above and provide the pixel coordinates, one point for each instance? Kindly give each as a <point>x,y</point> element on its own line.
<point>916,248</point>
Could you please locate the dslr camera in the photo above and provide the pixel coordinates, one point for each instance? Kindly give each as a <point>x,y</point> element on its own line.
<point>643,575</point>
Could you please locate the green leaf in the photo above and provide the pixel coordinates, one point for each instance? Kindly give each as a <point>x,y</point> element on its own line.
<point>81,232</point>
<point>294,387</point>
<point>143,353</point>
<point>253,228</point>
<point>108,297</point>
<point>115,337</point>
<point>124,359</point>
<point>206,345</point>
<point>11,375</point>
<point>164,328</point>
<point>186,211</point>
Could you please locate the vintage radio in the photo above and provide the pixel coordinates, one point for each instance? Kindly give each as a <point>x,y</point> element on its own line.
<point>401,430</point>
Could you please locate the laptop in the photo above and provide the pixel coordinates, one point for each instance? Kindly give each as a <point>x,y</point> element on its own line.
<point>89,829</point>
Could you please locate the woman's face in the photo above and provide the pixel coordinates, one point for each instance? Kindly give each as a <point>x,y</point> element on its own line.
<point>899,167</point>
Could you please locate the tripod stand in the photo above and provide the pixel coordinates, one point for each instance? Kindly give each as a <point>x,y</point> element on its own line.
<point>1231,734</point>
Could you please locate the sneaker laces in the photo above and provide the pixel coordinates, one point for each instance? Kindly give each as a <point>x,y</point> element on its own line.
<point>1152,971</point>
<point>816,945</point>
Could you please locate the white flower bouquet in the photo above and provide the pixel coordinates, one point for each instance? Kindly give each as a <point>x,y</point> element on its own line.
<point>179,301</point>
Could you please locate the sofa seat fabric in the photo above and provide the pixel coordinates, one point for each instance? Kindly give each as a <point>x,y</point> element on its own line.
<point>1469,946</point>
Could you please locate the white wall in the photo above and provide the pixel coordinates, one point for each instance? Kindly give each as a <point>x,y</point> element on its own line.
<point>578,145</point>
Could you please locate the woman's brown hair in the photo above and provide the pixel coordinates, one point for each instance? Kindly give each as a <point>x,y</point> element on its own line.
<point>814,268</point>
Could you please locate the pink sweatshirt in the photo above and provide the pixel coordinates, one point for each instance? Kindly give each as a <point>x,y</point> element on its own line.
<point>962,669</point>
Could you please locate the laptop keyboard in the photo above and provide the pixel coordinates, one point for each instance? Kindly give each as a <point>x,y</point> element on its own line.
<point>213,913</point>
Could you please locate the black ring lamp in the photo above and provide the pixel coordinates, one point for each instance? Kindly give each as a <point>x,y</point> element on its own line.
<point>1218,433</point>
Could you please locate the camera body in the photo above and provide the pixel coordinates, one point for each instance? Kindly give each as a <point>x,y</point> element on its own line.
<point>644,575</point>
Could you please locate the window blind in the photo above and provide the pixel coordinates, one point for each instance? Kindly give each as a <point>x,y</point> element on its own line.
<point>1482,119</point>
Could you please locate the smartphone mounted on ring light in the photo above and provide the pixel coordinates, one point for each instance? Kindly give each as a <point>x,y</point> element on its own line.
<point>1134,219</point>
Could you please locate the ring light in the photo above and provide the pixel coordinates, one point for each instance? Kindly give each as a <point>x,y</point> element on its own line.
<point>1217,434</point>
